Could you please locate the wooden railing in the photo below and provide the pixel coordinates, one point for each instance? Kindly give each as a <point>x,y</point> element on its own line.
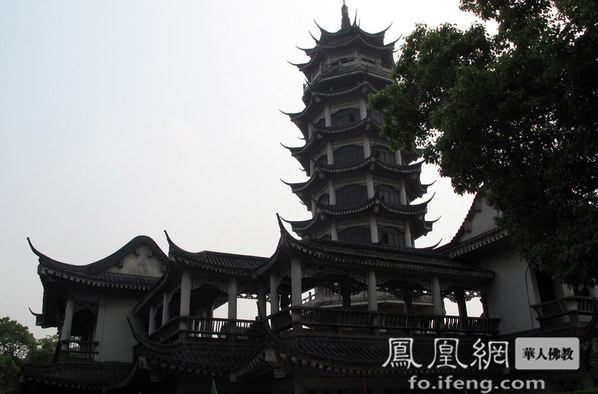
<point>76,349</point>
<point>183,327</point>
<point>572,306</point>
<point>330,319</point>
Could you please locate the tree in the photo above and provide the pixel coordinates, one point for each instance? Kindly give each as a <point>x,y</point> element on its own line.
<point>515,113</point>
<point>44,350</point>
<point>17,341</point>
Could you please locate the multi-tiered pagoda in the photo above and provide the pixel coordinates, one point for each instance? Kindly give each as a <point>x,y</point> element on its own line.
<point>358,189</point>
<point>139,321</point>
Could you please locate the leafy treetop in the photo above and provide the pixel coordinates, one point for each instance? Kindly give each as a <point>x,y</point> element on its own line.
<point>515,112</point>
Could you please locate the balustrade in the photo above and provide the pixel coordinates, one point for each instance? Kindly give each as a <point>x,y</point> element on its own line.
<point>319,318</point>
<point>566,306</point>
<point>77,349</point>
<point>183,327</point>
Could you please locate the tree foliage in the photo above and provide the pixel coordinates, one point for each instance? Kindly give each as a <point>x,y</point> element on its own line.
<point>515,112</point>
<point>17,341</point>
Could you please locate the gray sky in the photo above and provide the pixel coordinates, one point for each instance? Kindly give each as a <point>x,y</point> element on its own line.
<point>121,118</point>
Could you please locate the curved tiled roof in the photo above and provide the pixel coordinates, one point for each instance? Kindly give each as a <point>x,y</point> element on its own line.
<point>321,49</point>
<point>226,263</point>
<point>385,257</point>
<point>95,274</point>
<point>79,376</point>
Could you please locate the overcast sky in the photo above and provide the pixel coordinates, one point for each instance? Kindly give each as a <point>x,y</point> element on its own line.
<point>121,118</point>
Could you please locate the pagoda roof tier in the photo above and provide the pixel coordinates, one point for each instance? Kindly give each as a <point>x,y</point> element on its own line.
<point>396,259</point>
<point>323,172</point>
<point>97,274</point>
<point>370,204</point>
<point>313,93</point>
<point>305,228</point>
<point>368,125</point>
<point>417,212</point>
<point>327,37</point>
<point>350,38</point>
<point>312,107</point>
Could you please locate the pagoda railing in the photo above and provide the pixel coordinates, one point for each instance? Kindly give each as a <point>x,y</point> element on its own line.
<point>334,69</point>
<point>568,309</point>
<point>331,319</point>
<point>187,327</point>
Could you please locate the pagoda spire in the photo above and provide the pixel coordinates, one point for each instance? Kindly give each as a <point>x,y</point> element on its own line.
<point>345,22</point>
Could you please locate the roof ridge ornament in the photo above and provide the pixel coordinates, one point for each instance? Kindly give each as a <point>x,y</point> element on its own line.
<point>345,21</point>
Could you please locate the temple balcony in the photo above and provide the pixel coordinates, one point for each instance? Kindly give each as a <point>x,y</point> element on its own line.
<point>306,320</point>
<point>76,350</point>
<point>573,310</point>
<point>339,321</point>
<point>195,327</point>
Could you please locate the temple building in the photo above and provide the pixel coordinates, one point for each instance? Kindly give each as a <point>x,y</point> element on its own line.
<point>347,305</point>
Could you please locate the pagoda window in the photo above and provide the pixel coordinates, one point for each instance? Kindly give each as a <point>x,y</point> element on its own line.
<point>348,154</point>
<point>324,199</point>
<point>345,117</point>
<point>384,155</point>
<point>389,194</point>
<point>391,236</point>
<point>320,123</point>
<point>351,194</point>
<point>322,159</point>
<point>358,235</point>
<point>368,60</point>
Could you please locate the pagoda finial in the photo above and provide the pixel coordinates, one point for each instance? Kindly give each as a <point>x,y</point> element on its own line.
<point>345,22</point>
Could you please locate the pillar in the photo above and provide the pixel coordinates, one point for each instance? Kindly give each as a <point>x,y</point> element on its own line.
<point>327,115</point>
<point>331,193</point>
<point>374,229</point>
<point>329,153</point>
<point>274,303</point>
<point>165,312</point>
<point>333,230</point>
<point>408,298</point>
<point>261,300</point>
<point>437,296</point>
<point>372,291</point>
<point>460,298</point>
<point>363,109</point>
<point>69,310</point>
<point>369,184</point>
<point>407,235</point>
<point>185,293</point>
<point>185,303</point>
<point>296,276</point>
<point>367,148</point>
<point>152,320</point>
<point>398,157</point>
<point>233,291</point>
<point>346,294</point>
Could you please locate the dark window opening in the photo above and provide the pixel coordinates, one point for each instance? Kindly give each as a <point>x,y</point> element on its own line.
<point>389,194</point>
<point>351,194</point>
<point>348,154</point>
<point>384,155</point>
<point>358,235</point>
<point>391,236</point>
<point>345,117</point>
